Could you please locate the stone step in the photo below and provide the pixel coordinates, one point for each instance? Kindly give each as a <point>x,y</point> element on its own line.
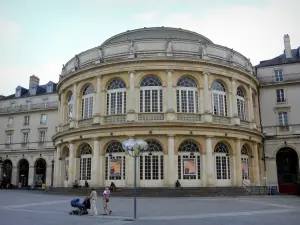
<point>159,192</point>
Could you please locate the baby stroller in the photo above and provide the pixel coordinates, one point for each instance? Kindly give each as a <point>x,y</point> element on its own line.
<point>81,208</point>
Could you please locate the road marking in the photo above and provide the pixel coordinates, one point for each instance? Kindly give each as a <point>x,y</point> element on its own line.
<point>268,204</point>
<point>34,204</point>
<point>117,222</point>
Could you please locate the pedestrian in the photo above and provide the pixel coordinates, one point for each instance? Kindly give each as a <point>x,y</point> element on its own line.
<point>106,195</point>
<point>93,198</point>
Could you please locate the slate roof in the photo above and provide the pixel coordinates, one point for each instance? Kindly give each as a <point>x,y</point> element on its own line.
<point>41,90</point>
<point>281,59</point>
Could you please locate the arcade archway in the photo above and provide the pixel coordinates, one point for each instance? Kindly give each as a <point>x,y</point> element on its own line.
<point>287,170</point>
<point>40,172</point>
<point>7,171</point>
<point>23,172</point>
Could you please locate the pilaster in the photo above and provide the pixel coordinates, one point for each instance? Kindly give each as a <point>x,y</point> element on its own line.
<point>131,112</point>
<point>255,164</point>
<point>171,161</point>
<point>72,169</point>
<point>238,169</point>
<point>210,178</point>
<point>95,164</point>
<point>98,103</point>
<point>206,100</point>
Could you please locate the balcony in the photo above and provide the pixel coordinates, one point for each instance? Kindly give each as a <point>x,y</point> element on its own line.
<point>115,119</point>
<point>284,128</point>
<point>24,108</point>
<point>189,117</point>
<point>8,145</point>
<point>41,144</point>
<point>24,145</point>
<point>84,123</point>
<point>150,117</point>
<point>221,120</point>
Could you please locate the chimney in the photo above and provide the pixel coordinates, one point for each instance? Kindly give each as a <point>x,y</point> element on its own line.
<point>287,46</point>
<point>34,80</point>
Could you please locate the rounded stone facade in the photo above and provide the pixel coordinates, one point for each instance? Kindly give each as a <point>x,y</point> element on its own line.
<point>193,101</point>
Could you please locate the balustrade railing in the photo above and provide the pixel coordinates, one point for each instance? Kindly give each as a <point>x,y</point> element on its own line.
<point>21,108</point>
<point>115,119</point>
<point>85,123</point>
<point>221,119</point>
<point>189,117</point>
<point>151,117</point>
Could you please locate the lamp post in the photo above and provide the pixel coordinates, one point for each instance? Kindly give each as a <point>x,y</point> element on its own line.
<point>135,149</point>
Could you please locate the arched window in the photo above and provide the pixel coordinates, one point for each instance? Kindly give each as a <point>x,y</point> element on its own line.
<point>187,95</point>
<point>241,103</point>
<point>222,161</point>
<point>189,161</point>
<point>219,100</point>
<point>245,163</point>
<point>116,97</point>
<point>70,106</point>
<point>115,163</point>
<point>151,95</point>
<point>87,102</point>
<point>152,166</point>
<point>85,162</point>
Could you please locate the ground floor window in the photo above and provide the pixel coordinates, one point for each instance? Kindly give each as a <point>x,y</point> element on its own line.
<point>189,167</point>
<point>115,168</point>
<point>152,167</point>
<point>222,161</point>
<point>85,163</point>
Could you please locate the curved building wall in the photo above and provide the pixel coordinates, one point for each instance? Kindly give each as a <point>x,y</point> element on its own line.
<point>199,117</point>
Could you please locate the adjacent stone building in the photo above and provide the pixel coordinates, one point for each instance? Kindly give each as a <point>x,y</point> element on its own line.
<point>279,105</point>
<point>28,119</point>
<point>193,101</point>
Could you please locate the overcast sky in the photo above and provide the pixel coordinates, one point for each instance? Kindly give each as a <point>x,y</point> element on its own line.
<point>37,37</point>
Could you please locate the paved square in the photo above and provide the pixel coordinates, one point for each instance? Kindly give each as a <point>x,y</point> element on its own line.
<point>33,207</point>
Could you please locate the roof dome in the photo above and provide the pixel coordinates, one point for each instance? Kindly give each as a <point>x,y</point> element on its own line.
<point>157,33</point>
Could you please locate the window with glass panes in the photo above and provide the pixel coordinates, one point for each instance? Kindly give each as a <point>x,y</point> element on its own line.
<point>43,119</point>
<point>151,94</point>
<point>187,95</point>
<point>116,97</point>
<point>9,138</point>
<point>278,75</point>
<point>189,161</point>
<point>283,118</point>
<point>222,161</point>
<point>42,136</point>
<point>115,161</point>
<point>26,120</point>
<point>241,103</point>
<point>25,137</point>
<point>85,166</point>
<point>10,121</point>
<point>152,165</point>
<point>280,95</point>
<point>70,106</point>
<point>87,102</point>
<point>245,163</point>
<point>219,100</point>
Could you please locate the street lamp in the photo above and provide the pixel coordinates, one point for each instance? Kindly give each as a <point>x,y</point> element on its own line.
<point>135,149</point>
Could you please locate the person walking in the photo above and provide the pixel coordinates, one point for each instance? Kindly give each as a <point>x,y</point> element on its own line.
<point>106,195</point>
<point>93,198</point>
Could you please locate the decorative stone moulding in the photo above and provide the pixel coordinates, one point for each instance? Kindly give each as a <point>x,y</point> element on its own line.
<point>156,42</point>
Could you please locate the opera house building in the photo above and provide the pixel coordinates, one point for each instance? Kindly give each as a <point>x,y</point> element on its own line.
<point>194,102</point>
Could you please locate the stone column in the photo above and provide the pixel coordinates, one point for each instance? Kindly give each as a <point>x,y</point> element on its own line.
<point>238,158</point>
<point>234,112</point>
<point>201,103</point>
<point>210,181</point>
<point>206,100</point>
<point>101,167</point>
<point>250,105</point>
<point>57,168</point>
<point>48,174</point>
<point>129,170</point>
<point>203,167</point>
<point>31,174</point>
<point>62,108</point>
<point>73,122</point>
<point>97,105</point>
<point>72,170</point>
<point>131,100</point>
<point>95,164</point>
<point>171,161</point>
<point>170,97</point>
<point>255,164</point>
<point>14,173</point>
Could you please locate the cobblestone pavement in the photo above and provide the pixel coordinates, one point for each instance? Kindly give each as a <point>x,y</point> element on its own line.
<point>33,207</point>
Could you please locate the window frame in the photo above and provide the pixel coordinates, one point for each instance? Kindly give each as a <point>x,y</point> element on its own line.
<point>42,116</point>
<point>49,88</point>
<point>10,121</point>
<point>28,122</point>
<point>25,137</point>
<point>280,116</point>
<point>278,95</point>
<point>278,77</point>
<point>42,137</point>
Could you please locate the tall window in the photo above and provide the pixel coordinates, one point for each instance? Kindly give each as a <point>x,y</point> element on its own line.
<point>278,75</point>
<point>280,95</point>
<point>87,102</point>
<point>26,120</point>
<point>115,162</point>
<point>18,92</point>
<point>10,122</point>
<point>85,162</point>
<point>42,136</point>
<point>219,100</point>
<point>116,97</point>
<point>49,88</point>
<point>152,166</point>
<point>189,161</point>
<point>70,106</point>
<point>9,138</point>
<point>151,95</point>
<point>187,95</point>
<point>245,163</point>
<point>222,161</point>
<point>43,119</point>
<point>25,137</point>
<point>241,103</point>
<point>283,118</point>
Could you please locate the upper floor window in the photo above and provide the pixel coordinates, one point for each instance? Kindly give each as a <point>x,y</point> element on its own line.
<point>187,95</point>
<point>43,119</point>
<point>42,136</point>
<point>151,95</point>
<point>87,102</point>
<point>25,137</point>
<point>49,88</point>
<point>32,90</point>
<point>219,100</point>
<point>10,122</point>
<point>241,104</point>
<point>116,97</point>
<point>70,106</point>
<point>278,75</point>
<point>283,118</point>
<point>18,92</point>
<point>26,120</point>
<point>8,138</point>
<point>280,95</point>
<point>45,103</point>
